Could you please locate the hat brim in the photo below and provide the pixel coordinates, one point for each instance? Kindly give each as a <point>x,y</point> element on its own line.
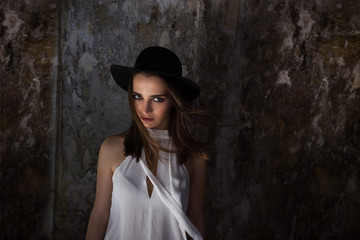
<point>186,87</point>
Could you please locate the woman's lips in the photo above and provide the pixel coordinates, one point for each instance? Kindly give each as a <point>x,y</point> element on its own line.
<point>147,119</point>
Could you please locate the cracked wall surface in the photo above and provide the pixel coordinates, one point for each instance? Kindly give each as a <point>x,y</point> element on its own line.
<point>289,71</point>
<point>28,63</point>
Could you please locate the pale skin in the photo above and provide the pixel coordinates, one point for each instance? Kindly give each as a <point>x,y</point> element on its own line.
<point>153,105</point>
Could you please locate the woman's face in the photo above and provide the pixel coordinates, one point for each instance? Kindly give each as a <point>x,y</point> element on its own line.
<point>151,100</point>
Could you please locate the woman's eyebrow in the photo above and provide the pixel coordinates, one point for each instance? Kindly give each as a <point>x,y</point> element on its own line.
<point>159,95</point>
<point>156,95</point>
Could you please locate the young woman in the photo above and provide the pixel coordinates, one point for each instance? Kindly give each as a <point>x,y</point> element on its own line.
<point>151,179</point>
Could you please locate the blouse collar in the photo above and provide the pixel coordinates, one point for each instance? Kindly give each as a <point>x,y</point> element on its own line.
<point>158,134</point>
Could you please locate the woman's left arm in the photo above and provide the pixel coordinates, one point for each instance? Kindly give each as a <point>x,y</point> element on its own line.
<point>197,193</point>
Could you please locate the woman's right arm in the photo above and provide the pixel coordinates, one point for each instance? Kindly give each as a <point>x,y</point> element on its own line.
<point>110,150</point>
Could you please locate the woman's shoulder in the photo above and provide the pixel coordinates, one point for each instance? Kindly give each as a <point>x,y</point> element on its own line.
<point>114,139</point>
<point>112,148</point>
<point>198,163</point>
<point>113,143</point>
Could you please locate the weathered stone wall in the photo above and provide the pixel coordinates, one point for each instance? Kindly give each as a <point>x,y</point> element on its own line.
<point>289,71</point>
<point>28,75</point>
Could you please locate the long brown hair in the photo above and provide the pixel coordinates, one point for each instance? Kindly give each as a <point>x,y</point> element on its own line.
<point>181,120</point>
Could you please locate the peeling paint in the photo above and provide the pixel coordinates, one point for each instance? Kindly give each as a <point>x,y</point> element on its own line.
<point>283,78</point>
<point>165,39</point>
<point>306,23</point>
<point>87,62</point>
<point>13,23</point>
<point>340,61</point>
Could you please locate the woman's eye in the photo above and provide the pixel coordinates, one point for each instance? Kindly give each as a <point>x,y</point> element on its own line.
<point>136,96</point>
<point>157,99</point>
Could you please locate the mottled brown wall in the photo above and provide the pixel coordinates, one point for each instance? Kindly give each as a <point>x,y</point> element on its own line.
<point>291,71</point>
<point>28,104</point>
<point>288,70</point>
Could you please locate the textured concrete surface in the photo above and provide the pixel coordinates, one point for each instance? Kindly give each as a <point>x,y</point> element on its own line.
<point>288,71</point>
<point>28,73</point>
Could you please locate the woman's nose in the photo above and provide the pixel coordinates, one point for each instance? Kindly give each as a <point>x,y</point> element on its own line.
<point>147,108</point>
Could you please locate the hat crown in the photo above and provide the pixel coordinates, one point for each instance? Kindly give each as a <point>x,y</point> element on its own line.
<point>159,59</point>
<point>162,61</point>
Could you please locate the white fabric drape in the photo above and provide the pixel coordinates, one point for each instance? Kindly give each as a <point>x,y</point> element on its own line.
<point>134,215</point>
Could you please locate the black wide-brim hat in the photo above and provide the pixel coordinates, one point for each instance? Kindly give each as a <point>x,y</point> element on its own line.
<point>161,61</point>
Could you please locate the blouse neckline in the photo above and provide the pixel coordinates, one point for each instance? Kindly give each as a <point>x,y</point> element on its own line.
<point>158,134</point>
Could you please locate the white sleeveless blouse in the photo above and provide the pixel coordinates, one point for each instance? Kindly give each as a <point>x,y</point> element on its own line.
<point>136,216</point>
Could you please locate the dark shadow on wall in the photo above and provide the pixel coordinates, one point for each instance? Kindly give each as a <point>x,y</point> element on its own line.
<point>291,71</point>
